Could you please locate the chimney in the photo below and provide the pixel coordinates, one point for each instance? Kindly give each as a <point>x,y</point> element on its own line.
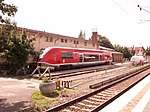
<point>94,35</point>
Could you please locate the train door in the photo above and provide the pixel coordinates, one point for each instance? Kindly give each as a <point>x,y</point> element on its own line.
<point>54,53</point>
<point>81,57</point>
<point>100,57</point>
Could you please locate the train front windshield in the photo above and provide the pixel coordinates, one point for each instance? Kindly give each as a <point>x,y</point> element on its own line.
<point>43,52</point>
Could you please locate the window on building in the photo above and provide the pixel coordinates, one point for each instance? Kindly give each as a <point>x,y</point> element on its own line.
<point>74,42</point>
<point>65,40</point>
<point>93,45</point>
<point>77,42</point>
<point>48,39</point>
<point>51,39</point>
<point>85,43</point>
<point>62,40</point>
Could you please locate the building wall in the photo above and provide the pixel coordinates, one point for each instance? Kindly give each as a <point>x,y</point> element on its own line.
<point>44,39</point>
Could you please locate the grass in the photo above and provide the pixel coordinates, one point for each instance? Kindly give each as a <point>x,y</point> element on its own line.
<point>44,101</point>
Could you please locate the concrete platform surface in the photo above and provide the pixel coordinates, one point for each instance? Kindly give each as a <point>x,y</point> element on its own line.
<point>15,95</point>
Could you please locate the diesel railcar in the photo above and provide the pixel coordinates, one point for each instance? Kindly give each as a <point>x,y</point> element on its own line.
<point>66,58</point>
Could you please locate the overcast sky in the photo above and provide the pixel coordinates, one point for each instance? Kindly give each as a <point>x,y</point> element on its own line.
<point>121,21</point>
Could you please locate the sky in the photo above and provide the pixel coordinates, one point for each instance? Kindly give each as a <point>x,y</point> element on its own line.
<point>121,21</point>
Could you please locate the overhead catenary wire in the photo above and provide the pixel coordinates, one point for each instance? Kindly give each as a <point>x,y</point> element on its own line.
<point>124,10</point>
<point>141,8</point>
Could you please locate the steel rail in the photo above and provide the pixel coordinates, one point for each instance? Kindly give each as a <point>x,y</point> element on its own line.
<point>102,88</point>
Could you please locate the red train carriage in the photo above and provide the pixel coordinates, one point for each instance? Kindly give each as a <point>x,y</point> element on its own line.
<point>63,57</point>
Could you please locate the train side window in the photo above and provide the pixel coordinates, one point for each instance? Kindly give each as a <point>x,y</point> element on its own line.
<point>89,58</point>
<point>67,55</point>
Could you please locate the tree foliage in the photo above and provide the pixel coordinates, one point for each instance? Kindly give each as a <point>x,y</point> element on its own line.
<point>81,35</point>
<point>147,51</point>
<point>15,47</point>
<point>103,41</point>
<point>6,10</point>
<point>126,53</point>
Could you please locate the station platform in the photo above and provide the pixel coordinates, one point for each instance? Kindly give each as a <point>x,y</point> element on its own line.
<point>137,99</point>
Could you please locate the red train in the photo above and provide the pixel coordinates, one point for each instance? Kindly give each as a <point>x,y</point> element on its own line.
<point>66,58</point>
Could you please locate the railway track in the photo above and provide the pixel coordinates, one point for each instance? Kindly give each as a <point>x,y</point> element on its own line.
<point>104,94</point>
<point>81,71</point>
<point>75,72</point>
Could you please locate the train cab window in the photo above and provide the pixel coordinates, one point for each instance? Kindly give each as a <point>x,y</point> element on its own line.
<point>67,55</point>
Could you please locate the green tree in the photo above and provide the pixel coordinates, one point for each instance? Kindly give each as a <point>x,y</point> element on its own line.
<point>6,10</point>
<point>103,41</point>
<point>124,50</point>
<point>147,51</point>
<point>5,34</point>
<point>126,53</point>
<point>81,35</point>
<point>15,47</point>
<point>7,26</point>
<point>20,49</point>
<point>118,48</point>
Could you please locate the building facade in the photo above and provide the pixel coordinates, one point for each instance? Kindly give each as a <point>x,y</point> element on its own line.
<point>45,39</point>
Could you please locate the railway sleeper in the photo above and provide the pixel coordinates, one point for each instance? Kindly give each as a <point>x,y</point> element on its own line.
<point>73,109</point>
<point>92,102</point>
<point>95,99</point>
<point>87,105</point>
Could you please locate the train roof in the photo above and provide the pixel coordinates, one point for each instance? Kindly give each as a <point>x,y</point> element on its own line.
<point>114,52</point>
<point>48,48</point>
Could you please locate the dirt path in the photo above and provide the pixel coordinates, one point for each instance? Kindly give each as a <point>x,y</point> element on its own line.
<point>15,95</point>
